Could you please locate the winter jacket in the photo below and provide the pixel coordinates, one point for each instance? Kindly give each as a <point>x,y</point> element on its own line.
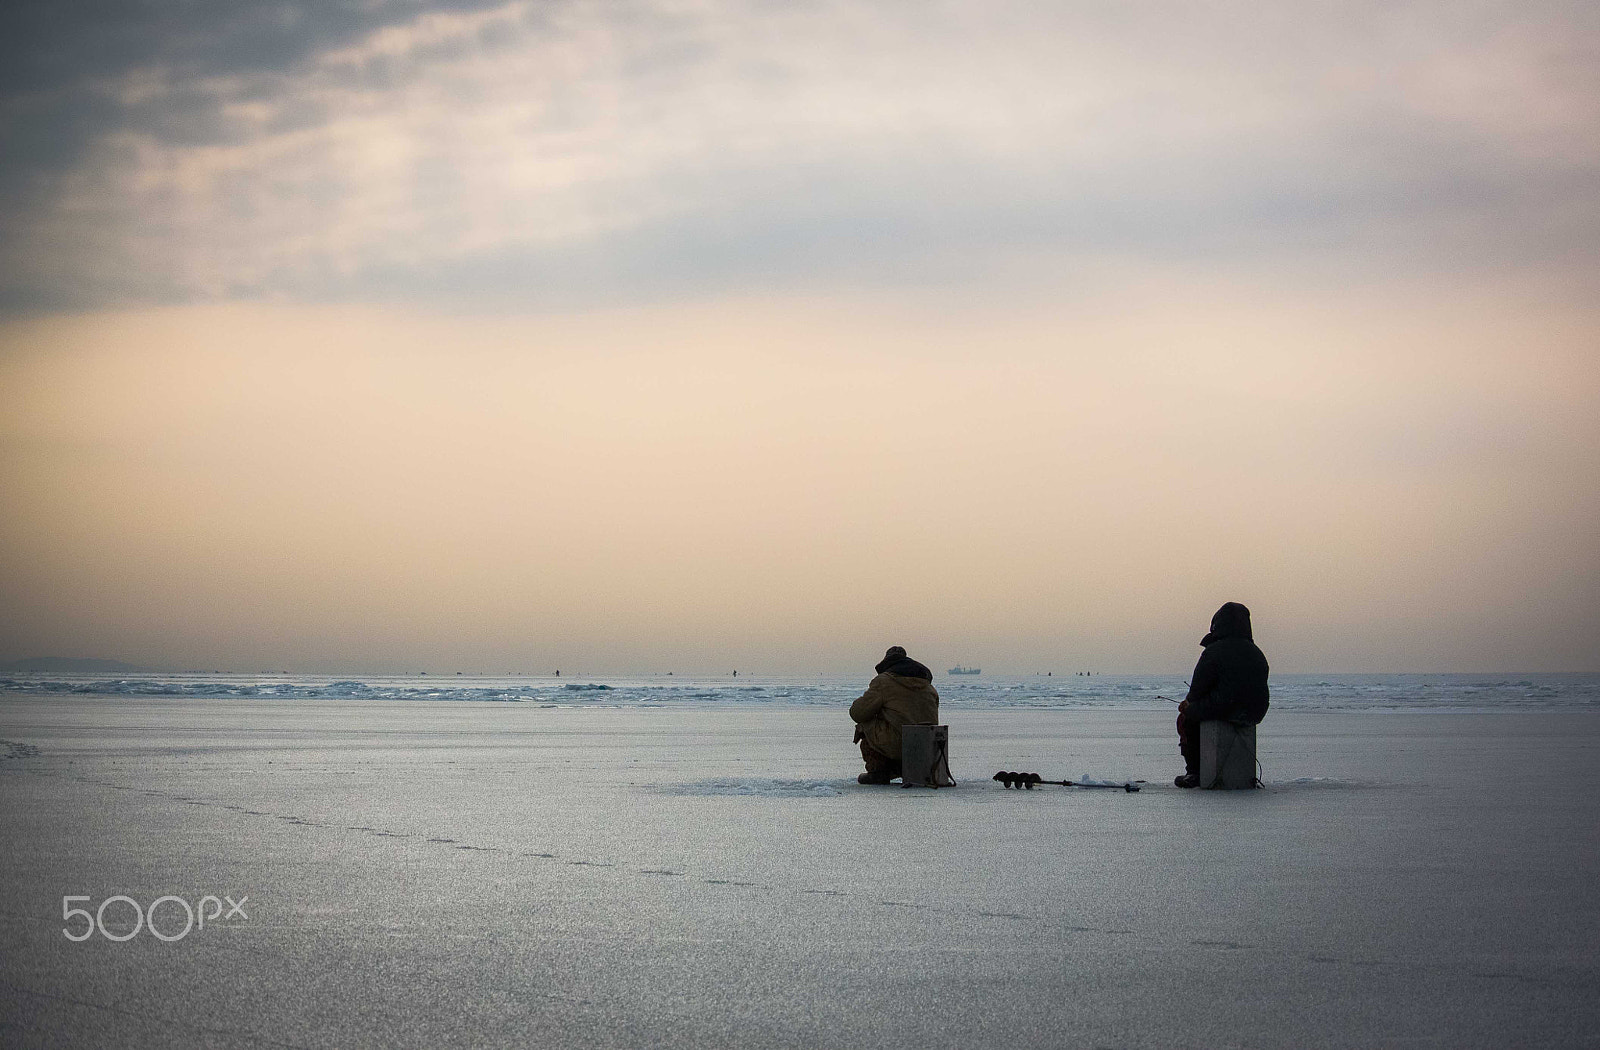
<point>891,701</point>
<point>1230,680</point>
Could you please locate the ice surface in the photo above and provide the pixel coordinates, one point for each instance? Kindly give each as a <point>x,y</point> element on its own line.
<point>759,786</point>
<point>709,875</point>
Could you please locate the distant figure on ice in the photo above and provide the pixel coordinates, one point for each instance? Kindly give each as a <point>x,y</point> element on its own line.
<point>902,692</point>
<point>1229,684</point>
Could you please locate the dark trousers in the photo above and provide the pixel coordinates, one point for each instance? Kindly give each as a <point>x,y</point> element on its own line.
<point>878,762</point>
<point>1189,742</point>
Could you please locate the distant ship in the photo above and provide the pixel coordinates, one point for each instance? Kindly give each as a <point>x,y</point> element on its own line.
<point>958,669</point>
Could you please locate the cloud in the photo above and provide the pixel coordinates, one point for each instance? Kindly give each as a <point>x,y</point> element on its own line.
<point>555,153</point>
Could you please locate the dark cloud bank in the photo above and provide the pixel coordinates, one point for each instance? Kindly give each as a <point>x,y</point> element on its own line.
<point>1356,184</point>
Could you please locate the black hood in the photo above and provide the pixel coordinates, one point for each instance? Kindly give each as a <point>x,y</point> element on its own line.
<point>1231,621</point>
<point>895,661</point>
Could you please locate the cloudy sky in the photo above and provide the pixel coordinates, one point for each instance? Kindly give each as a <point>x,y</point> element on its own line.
<point>697,334</point>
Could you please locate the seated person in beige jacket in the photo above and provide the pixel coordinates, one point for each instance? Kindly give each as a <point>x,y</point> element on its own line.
<point>902,693</point>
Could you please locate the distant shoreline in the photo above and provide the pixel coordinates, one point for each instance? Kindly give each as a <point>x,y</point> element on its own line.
<point>1544,691</point>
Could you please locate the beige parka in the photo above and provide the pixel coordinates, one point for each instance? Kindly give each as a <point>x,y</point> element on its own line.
<point>891,701</point>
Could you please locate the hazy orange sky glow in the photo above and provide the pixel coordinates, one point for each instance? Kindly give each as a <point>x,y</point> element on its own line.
<point>668,336</point>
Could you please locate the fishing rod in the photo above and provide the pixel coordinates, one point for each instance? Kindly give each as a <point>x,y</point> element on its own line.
<point>1025,781</point>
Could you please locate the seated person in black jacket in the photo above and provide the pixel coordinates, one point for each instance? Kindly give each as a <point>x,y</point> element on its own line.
<point>1229,684</point>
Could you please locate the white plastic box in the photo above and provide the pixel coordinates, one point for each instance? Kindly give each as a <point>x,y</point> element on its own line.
<point>925,755</point>
<point>1227,755</point>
